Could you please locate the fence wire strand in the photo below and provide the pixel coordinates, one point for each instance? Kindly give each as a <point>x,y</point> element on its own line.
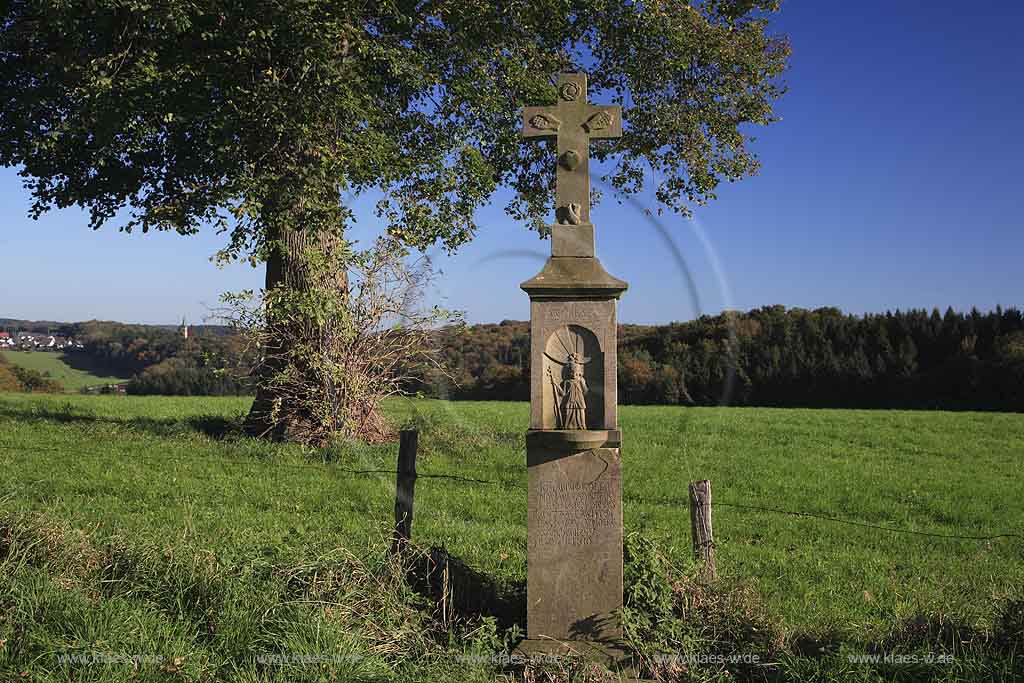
<point>840,520</point>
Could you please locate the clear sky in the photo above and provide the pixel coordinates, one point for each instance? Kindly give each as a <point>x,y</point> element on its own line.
<point>893,181</point>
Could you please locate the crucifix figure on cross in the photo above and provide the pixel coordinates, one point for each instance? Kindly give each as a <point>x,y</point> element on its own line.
<point>573,122</point>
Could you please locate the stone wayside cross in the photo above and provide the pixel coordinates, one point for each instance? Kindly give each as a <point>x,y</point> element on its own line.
<point>574,499</point>
<point>573,122</point>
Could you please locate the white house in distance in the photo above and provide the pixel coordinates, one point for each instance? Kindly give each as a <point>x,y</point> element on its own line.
<point>38,342</point>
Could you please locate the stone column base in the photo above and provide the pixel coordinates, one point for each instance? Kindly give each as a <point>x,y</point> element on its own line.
<point>574,540</point>
<point>612,654</point>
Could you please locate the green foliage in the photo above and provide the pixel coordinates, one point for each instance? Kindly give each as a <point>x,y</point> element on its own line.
<point>250,116</point>
<point>647,615</point>
<point>128,347</point>
<point>187,376</point>
<point>255,117</point>
<point>673,618</point>
<point>1010,347</point>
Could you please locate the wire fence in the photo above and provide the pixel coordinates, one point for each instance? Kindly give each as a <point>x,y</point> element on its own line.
<point>335,469</point>
<point>868,525</point>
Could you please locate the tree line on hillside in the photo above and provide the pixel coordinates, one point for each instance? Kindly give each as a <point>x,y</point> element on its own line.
<point>189,375</point>
<point>775,356</point>
<point>166,362</point>
<point>160,359</point>
<point>770,356</point>
<point>133,348</point>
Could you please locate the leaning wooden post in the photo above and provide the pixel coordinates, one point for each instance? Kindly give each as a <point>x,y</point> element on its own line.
<point>700,526</point>
<point>405,488</point>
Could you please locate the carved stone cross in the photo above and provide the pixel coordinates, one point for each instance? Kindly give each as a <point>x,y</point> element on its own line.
<point>573,122</point>
<point>574,499</point>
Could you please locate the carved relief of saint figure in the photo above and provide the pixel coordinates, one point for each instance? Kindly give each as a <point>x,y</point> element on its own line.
<point>571,392</point>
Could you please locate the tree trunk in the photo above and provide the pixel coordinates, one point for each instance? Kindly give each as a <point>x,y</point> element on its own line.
<point>288,267</point>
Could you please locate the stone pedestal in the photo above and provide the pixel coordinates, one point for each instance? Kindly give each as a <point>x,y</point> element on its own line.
<point>574,565</point>
<point>574,561</point>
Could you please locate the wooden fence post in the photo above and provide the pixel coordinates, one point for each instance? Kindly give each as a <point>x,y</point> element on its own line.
<point>700,526</point>
<point>405,488</point>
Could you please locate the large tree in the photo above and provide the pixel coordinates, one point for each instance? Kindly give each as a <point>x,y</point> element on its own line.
<point>256,117</point>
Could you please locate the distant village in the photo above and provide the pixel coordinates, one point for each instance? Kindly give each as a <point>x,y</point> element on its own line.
<point>35,341</point>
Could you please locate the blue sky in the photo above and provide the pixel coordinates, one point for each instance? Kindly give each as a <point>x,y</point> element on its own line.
<point>893,181</point>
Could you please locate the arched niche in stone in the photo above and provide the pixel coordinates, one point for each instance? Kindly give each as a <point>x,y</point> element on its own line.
<point>573,380</point>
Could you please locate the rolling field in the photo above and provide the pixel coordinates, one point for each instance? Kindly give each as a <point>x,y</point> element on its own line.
<point>148,525</point>
<point>75,370</point>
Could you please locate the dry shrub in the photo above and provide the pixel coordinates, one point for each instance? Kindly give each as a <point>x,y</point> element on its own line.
<point>324,362</point>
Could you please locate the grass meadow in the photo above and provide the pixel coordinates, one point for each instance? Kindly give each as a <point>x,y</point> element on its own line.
<point>149,527</point>
<point>74,371</point>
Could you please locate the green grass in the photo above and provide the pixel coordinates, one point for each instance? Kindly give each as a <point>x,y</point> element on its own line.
<point>74,371</point>
<point>140,524</point>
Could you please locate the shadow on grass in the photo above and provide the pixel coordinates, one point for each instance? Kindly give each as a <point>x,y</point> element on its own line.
<point>714,619</point>
<point>926,632</point>
<point>460,591</point>
<point>79,360</point>
<point>213,426</point>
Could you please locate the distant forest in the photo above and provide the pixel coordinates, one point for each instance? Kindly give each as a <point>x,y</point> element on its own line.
<point>775,356</point>
<point>158,357</point>
<point>770,356</point>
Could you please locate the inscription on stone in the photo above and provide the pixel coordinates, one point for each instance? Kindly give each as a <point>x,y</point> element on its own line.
<point>574,543</point>
<point>574,514</point>
<point>575,311</point>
